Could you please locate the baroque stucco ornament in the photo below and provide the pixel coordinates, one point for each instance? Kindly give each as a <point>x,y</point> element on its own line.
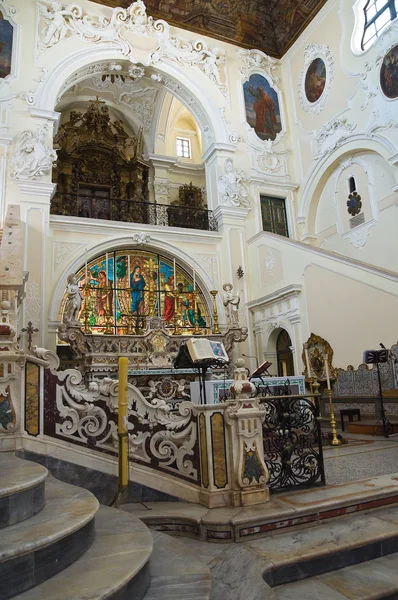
<point>232,186</point>
<point>60,22</point>
<point>312,52</point>
<point>32,158</point>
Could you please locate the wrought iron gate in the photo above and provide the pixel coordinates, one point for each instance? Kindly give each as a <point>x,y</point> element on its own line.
<point>293,442</point>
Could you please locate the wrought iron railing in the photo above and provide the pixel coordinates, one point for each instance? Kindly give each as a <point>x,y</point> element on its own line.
<point>293,442</point>
<point>131,211</point>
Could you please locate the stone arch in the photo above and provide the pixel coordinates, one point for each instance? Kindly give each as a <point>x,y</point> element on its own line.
<point>315,183</point>
<point>177,81</point>
<point>205,282</point>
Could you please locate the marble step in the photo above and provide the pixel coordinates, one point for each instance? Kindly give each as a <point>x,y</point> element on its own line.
<point>372,580</point>
<point>21,489</point>
<point>34,550</point>
<point>177,573</point>
<point>339,543</point>
<point>115,567</point>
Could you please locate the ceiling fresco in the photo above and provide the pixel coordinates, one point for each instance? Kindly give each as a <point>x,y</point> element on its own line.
<point>267,25</point>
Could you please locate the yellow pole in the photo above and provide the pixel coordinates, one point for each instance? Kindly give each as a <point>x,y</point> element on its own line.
<point>122,423</point>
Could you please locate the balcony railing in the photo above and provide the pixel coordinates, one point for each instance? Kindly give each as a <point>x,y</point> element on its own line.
<point>130,211</point>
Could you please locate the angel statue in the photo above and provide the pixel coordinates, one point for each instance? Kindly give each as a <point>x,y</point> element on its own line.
<point>73,303</point>
<point>32,158</point>
<point>232,187</point>
<point>56,26</point>
<point>231,301</point>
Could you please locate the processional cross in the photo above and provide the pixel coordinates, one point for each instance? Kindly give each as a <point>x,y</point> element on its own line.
<point>30,330</point>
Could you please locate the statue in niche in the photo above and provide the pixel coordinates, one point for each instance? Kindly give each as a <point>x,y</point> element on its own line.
<point>232,187</point>
<point>73,303</point>
<point>32,159</point>
<point>231,302</point>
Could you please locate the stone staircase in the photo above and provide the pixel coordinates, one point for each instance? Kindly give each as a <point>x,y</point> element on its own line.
<point>58,543</point>
<point>353,557</point>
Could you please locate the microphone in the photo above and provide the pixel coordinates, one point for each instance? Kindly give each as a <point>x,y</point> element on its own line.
<point>255,357</point>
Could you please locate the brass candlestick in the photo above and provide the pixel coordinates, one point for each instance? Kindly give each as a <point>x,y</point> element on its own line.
<point>86,289</point>
<point>196,330</point>
<point>335,440</point>
<point>216,328</point>
<point>177,330</point>
<point>130,328</point>
<point>108,313</point>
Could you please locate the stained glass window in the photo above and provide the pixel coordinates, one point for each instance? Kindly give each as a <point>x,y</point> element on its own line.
<point>126,287</point>
<point>378,13</point>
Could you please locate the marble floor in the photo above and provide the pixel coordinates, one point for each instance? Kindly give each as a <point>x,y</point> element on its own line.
<point>364,456</point>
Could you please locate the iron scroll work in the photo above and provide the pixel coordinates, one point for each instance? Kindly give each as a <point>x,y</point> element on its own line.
<point>292,437</point>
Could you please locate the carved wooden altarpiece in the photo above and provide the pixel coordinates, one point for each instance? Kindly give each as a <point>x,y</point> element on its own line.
<point>100,172</point>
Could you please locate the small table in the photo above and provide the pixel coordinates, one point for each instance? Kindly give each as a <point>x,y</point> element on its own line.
<point>350,413</point>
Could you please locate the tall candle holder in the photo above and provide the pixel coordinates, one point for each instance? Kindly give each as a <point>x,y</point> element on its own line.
<point>196,330</point>
<point>177,329</point>
<point>335,440</point>
<point>108,312</point>
<point>87,288</point>
<point>216,328</point>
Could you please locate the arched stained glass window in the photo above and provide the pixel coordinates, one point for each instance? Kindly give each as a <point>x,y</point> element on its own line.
<point>378,14</point>
<point>122,289</point>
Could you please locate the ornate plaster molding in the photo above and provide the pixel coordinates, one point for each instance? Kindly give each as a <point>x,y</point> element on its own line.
<point>311,52</point>
<point>359,235</point>
<point>57,23</point>
<point>252,61</point>
<point>332,135</point>
<point>32,158</point>
<point>232,186</point>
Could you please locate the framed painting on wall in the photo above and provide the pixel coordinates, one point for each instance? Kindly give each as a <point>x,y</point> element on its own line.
<point>262,107</point>
<point>389,74</point>
<point>6,44</point>
<point>315,80</point>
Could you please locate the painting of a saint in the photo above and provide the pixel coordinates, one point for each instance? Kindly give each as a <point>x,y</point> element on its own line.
<point>137,285</point>
<point>389,74</point>
<point>6,38</point>
<point>168,307</point>
<point>315,80</point>
<point>262,107</point>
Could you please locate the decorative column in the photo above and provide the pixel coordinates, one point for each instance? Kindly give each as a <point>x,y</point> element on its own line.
<point>245,417</point>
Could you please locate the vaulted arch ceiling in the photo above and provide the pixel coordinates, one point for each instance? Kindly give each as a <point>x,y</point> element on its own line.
<point>268,25</point>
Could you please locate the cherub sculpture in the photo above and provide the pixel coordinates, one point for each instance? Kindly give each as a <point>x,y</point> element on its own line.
<point>56,26</point>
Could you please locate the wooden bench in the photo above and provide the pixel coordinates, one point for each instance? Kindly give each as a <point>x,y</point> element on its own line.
<point>350,413</point>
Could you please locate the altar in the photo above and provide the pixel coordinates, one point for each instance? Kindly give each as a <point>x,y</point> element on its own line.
<point>217,390</point>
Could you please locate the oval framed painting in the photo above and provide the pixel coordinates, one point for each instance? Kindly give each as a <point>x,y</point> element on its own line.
<point>315,80</point>
<point>389,74</point>
<point>263,112</point>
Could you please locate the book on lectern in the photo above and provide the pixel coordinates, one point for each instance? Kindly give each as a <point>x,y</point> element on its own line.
<point>202,349</point>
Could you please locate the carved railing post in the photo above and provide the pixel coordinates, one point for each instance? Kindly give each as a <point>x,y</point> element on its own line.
<point>245,416</point>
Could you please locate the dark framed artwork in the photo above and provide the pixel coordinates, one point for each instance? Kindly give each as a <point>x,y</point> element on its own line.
<point>6,42</point>
<point>262,107</point>
<point>315,80</point>
<point>389,74</point>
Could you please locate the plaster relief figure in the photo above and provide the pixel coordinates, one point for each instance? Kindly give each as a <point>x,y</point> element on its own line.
<point>73,303</point>
<point>232,187</point>
<point>32,159</point>
<point>56,26</point>
<point>231,300</point>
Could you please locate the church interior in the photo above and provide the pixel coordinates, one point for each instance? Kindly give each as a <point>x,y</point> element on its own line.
<point>198,279</point>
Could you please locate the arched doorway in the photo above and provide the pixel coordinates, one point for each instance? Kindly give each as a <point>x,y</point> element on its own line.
<point>284,354</point>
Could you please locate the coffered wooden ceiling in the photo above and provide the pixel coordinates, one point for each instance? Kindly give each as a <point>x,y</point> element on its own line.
<point>268,25</point>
